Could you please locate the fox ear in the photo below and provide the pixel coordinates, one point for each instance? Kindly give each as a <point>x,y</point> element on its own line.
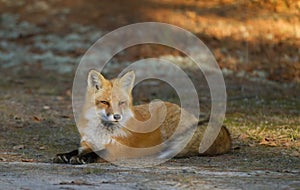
<point>127,81</point>
<point>95,79</point>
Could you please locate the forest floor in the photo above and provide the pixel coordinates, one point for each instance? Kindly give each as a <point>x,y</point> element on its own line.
<point>256,44</point>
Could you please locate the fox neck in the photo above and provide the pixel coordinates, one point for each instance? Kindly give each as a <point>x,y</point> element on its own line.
<point>94,120</point>
<point>100,129</point>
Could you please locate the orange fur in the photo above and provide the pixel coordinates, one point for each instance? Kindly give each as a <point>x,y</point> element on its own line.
<point>113,97</point>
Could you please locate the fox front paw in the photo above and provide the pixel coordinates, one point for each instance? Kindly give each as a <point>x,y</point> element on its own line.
<point>69,158</point>
<point>62,158</point>
<point>65,157</point>
<point>77,160</point>
<point>84,159</point>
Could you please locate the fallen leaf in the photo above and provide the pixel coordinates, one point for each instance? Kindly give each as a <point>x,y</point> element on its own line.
<point>267,142</point>
<point>36,118</point>
<point>59,98</point>
<point>27,160</point>
<point>243,136</point>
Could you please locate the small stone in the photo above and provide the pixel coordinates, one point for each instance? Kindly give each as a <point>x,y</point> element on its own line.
<point>46,107</point>
<point>18,147</point>
<point>42,148</point>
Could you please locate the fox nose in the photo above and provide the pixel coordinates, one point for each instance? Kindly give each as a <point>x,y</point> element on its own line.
<point>117,116</point>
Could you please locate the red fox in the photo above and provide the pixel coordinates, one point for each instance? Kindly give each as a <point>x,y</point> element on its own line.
<point>109,119</point>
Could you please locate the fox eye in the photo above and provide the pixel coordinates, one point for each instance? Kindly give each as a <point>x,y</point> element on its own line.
<point>104,103</point>
<point>122,103</point>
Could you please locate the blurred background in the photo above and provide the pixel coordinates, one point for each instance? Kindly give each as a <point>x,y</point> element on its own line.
<point>255,42</point>
<point>260,38</point>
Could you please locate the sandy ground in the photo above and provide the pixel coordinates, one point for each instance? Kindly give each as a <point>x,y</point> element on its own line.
<point>173,175</point>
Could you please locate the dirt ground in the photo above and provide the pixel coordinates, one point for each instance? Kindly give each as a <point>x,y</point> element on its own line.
<point>256,44</point>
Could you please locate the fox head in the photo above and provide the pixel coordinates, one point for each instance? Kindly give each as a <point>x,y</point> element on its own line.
<point>112,99</point>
